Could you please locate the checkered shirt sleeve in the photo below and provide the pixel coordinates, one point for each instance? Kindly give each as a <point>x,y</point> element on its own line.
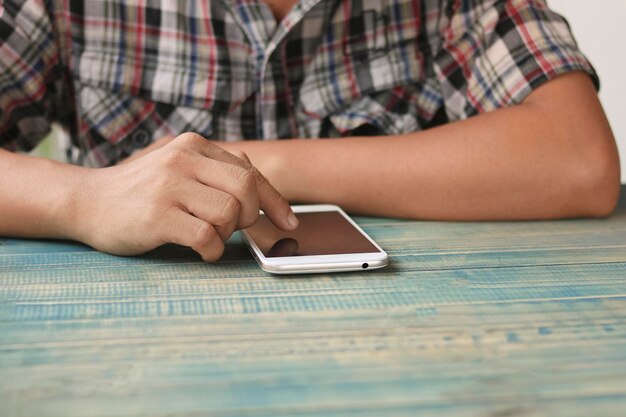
<point>495,53</point>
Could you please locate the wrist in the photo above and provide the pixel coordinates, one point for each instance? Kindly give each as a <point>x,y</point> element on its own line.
<point>76,197</point>
<point>40,197</point>
<point>276,168</point>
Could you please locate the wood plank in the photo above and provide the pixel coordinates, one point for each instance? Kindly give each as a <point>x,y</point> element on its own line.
<point>469,359</point>
<point>471,319</point>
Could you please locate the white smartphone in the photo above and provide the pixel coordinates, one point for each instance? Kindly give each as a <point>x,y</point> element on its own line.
<point>327,240</point>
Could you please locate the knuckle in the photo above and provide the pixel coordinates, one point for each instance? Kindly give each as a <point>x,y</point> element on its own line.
<point>247,179</point>
<point>204,235</point>
<point>249,219</point>
<point>190,138</point>
<point>214,253</point>
<point>225,232</point>
<point>229,210</point>
<point>256,174</point>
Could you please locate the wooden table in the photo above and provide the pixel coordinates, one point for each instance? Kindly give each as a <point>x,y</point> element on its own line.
<point>482,319</point>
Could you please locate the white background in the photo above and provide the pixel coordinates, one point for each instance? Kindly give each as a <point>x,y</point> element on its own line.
<point>600,29</point>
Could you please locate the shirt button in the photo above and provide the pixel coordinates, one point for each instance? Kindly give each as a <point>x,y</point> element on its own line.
<point>140,139</point>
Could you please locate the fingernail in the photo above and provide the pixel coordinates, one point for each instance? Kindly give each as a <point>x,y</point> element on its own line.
<point>292,220</point>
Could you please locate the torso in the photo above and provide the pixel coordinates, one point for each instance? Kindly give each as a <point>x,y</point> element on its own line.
<point>343,71</point>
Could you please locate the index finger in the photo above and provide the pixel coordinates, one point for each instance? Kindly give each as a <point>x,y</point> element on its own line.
<point>271,194</point>
<point>275,206</point>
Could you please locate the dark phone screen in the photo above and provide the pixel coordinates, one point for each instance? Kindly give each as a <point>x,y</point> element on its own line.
<point>319,233</point>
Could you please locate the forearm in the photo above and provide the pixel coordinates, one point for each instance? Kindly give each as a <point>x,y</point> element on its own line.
<point>188,192</point>
<point>37,196</point>
<point>525,162</point>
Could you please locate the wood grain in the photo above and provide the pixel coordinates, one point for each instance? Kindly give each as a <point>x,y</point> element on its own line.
<point>469,319</point>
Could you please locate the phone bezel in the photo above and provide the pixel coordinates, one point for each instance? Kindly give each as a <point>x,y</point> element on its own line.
<point>319,263</point>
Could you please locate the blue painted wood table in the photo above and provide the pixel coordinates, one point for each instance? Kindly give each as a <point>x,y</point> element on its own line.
<point>482,319</point>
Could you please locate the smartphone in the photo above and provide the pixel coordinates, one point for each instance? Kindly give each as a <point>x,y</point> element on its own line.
<point>327,240</point>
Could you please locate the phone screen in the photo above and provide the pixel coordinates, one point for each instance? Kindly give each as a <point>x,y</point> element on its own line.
<point>319,233</point>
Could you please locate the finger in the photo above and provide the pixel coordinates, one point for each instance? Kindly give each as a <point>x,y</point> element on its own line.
<point>209,149</point>
<point>271,199</point>
<point>252,189</point>
<point>186,230</point>
<point>214,206</point>
<point>273,204</point>
<point>234,181</point>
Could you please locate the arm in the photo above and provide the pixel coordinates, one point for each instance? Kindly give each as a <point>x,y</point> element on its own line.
<point>553,156</point>
<point>189,192</point>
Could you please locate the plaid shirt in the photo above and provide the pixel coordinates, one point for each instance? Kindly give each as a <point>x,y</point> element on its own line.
<point>119,74</point>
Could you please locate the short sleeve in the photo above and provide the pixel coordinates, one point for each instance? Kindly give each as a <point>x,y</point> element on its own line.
<point>29,74</point>
<point>495,53</point>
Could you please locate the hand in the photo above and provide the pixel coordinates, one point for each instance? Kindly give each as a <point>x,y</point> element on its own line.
<point>188,191</point>
<point>263,156</point>
<point>152,147</point>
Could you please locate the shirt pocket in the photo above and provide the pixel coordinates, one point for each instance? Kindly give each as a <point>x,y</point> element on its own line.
<point>216,87</point>
<point>113,125</point>
<point>136,83</point>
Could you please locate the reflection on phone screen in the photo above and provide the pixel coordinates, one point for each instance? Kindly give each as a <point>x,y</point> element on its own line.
<point>286,246</point>
<point>319,233</point>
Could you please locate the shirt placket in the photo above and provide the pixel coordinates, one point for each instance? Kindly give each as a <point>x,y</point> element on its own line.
<point>267,114</point>
<point>258,24</point>
<point>266,36</point>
